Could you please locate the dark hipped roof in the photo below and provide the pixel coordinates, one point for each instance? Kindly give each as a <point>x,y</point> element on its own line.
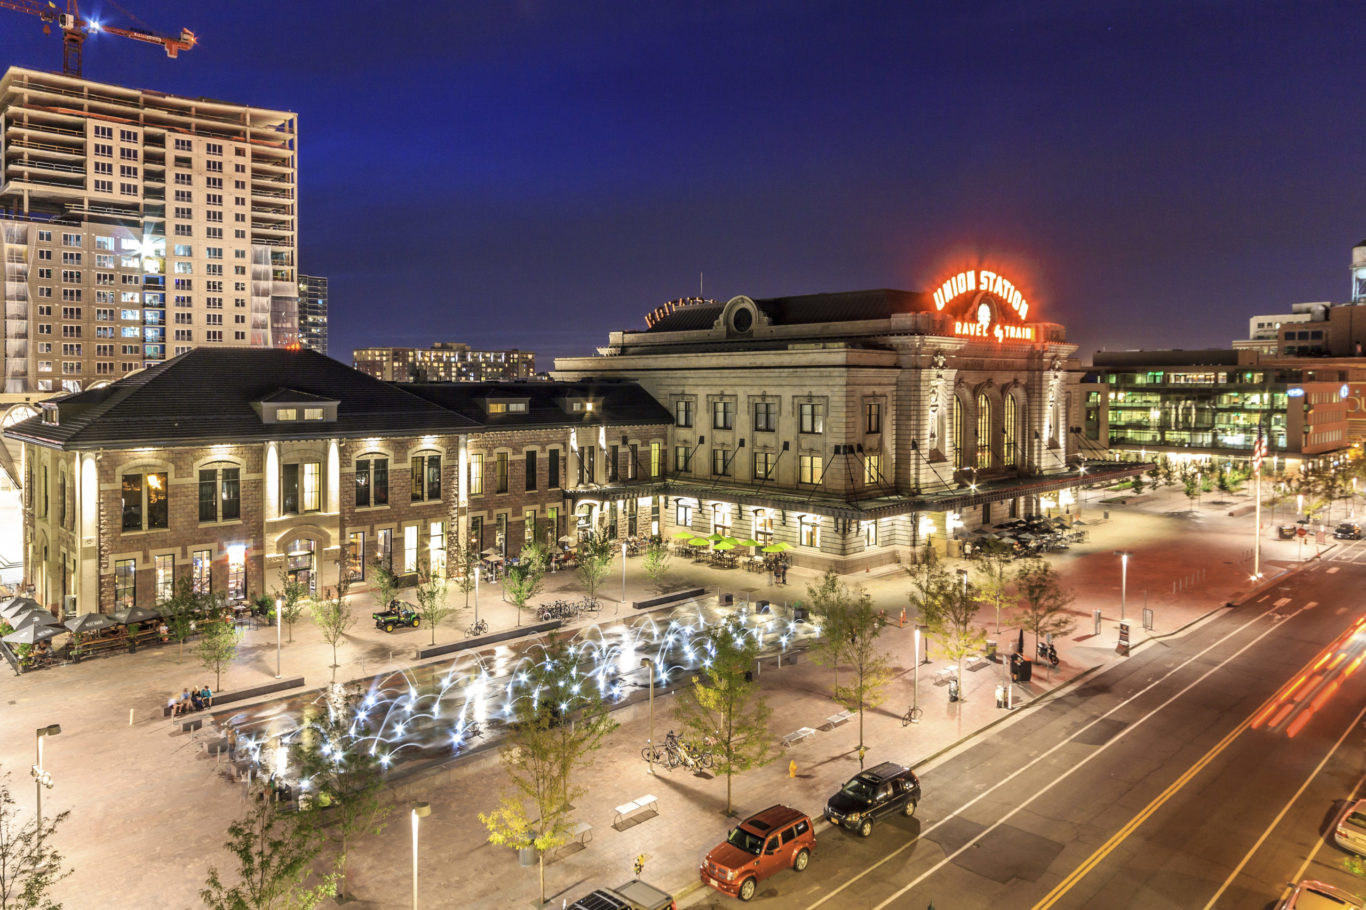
<point>615,403</point>
<point>845,306</point>
<point>206,396</point>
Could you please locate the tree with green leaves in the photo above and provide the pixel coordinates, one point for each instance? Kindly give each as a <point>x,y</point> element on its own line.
<point>290,598</point>
<point>431,598</point>
<point>595,561</point>
<point>1043,601</point>
<point>386,583</point>
<point>924,573</point>
<point>29,865</point>
<point>339,756</point>
<point>181,610</point>
<point>464,561</point>
<point>275,853</point>
<point>218,649</point>
<point>334,617</point>
<point>1137,485</point>
<point>868,666</point>
<point>725,710</point>
<point>826,600</point>
<point>656,561</point>
<point>1190,482</point>
<point>949,609</point>
<point>558,724</point>
<point>523,581</point>
<point>992,560</point>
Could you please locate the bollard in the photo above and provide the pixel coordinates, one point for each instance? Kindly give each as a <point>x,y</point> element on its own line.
<point>130,716</point>
<point>901,623</point>
<point>792,768</point>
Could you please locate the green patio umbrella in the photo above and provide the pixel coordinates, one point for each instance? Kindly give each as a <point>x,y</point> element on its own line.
<point>716,538</point>
<point>778,547</point>
<point>725,545</point>
<point>749,542</point>
<point>699,542</point>
<point>682,535</point>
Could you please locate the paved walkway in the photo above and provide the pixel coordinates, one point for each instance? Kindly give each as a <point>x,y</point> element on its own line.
<point>150,813</point>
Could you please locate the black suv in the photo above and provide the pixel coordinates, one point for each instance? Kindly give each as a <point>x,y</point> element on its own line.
<point>871,794</point>
<point>1348,530</point>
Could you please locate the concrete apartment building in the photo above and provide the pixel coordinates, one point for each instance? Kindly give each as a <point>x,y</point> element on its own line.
<point>444,361</point>
<point>135,225</point>
<point>313,313</point>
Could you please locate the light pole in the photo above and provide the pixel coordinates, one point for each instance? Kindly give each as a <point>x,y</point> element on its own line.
<point>963,577</point>
<point>915,690</point>
<point>279,622</point>
<point>647,662</point>
<point>623,575</point>
<point>1123,579</point>
<point>42,778</point>
<point>420,811</point>
<point>476,595</point>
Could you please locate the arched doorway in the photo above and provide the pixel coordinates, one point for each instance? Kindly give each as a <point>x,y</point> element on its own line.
<point>300,563</point>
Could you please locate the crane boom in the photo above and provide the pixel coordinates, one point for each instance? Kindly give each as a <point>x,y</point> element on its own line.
<point>76,29</point>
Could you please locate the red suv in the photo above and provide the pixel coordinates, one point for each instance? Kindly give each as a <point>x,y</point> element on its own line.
<point>759,846</point>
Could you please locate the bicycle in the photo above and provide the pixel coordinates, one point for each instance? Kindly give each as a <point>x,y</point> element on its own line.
<point>478,628</point>
<point>912,716</point>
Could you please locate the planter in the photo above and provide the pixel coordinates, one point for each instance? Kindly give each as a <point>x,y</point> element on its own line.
<point>526,856</point>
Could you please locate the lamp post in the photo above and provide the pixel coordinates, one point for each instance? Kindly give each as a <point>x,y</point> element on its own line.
<point>42,778</point>
<point>915,690</point>
<point>623,575</point>
<point>279,622</point>
<point>648,662</point>
<point>1123,579</point>
<point>420,811</point>
<point>963,577</point>
<point>476,595</point>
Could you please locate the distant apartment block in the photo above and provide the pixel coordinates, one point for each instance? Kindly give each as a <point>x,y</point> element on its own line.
<point>445,361</point>
<point>313,312</point>
<point>136,225</point>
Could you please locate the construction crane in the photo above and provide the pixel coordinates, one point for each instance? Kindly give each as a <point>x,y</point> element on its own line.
<point>76,29</point>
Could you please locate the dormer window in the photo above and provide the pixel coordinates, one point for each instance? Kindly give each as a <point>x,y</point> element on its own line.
<point>507,406</point>
<point>291,405</point>
<point>284,414</point>
<point>51,416</point>
<point>313,413</point>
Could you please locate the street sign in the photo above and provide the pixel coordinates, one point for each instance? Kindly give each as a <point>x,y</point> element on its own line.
<point>1123,647</point>
<point>1302,532</point>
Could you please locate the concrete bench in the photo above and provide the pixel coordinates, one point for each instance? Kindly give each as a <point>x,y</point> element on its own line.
<point>582,833</point>
<point>976,662</point>
<point>189,726</point>
<point>944,674</point>
<point>625,810</point>
<point>835,720</point>
<point>797,736</point>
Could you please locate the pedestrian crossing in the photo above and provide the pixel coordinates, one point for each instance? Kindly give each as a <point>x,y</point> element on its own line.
<point>1353,551</point>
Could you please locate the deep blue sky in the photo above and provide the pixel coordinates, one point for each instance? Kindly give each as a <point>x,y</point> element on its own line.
<point>534,174</point>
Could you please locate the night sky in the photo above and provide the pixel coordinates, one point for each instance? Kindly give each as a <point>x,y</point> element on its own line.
<point>535,174</point>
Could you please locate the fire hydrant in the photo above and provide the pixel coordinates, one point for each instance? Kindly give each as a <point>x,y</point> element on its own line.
<point>792,768</point>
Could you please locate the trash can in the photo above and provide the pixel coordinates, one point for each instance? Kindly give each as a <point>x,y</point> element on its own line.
<point>526,856</point>
<point>799,614</point>
<point>1021,668</point>
<point>953,689</point>
<point>991,650</point>
<point>1000,696</point>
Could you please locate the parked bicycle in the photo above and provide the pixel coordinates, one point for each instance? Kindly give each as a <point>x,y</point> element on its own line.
<point>478,628</point>
<point>912,715</point>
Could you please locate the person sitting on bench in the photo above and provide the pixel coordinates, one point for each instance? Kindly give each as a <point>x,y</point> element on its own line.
<point>182,705</point>
<point>196,700</point>
<point>206,694</point>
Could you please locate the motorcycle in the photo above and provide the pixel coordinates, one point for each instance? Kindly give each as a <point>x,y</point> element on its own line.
<point>1048,652</point>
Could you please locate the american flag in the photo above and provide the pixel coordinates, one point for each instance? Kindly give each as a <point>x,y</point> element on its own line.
<point>1258,452</point>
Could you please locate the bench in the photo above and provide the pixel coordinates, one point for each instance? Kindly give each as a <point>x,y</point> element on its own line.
<point>582,833</point>
<point>976,662</point>
<point>797,736</point>
<point>641,804</point>
<point>835,720</point>
<point>223,698</point>
<point>189,726</point>
<point>944,674</point>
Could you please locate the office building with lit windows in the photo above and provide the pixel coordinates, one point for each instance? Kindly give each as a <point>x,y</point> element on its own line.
<point>313,313</point>
<point>445,361</point>
<point>135,225</point>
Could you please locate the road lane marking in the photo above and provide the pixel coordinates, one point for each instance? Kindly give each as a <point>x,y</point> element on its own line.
<point>1049,752</point>
<point>1286,808</point>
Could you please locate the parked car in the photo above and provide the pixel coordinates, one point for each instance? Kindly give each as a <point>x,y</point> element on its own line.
<point>1348,531</point>
<point>398,614</point>
<point>777,838</point>
<point>1312,895</point>
<point>872,794</point>
<point>1350,831</point>
<point>634,895</point>
<point>1287,532</point>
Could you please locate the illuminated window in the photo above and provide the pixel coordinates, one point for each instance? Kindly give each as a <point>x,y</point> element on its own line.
<point>476,483</point>
<point>436,549</point>
<point>312,475</point>
<point>810,468</point>
<point>125,583</point>
<point>683,413</point>
<point>682,459</point>
<point>809,531</point>
<point>960,457</point>
<point>410,549</point>
<point>763,465</point>
<point>983,431</point>
<point>683,515</point>
<point>812,417</point>
<point>656,456</point>
<point>720,462</point>
<point>201,571</point>
<point>1010,428</point>
<point>872,470</point>
<point>145,505</point>
<point>164,567</point>
<point>870,533</point>
<point>765,416</point>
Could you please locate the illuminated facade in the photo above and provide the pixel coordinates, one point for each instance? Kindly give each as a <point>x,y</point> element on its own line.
<point>135,225</point>
<point>853,425</point>
<point>313,313</point>
<point>445,361</point>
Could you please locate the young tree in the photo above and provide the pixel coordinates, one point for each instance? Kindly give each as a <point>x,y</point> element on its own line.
<point>180,611</point>
<point>871,672</point>
<point>289,600</point>
<point>595,560</point>
<point>657,560</point>
<point>925,574</point>
<point>828,601</point>
<point>29,865</point>
<point>275,854</point>
<point>523,581</point>
<point>950,609</point>
<point>334,617</point>
<point>1191,484</point>
<point>1043,601</point>
<point>463,564</point>
<point>1138,485</point>
<point>992,561</point>
<point>218,649</point>
<point>559,722</point>
<point>431,598</point>
<point>386,583</point>
<point>339,756</point>
<point>721,705</point>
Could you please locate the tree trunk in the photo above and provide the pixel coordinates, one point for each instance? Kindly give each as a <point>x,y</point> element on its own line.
<point>541,864</point>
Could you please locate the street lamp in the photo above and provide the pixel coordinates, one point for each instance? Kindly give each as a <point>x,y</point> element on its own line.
<point>279,621</point>
<point>1123,579</point>
<point>42,778</point>
<point>476,595</point>
<point>915,691</point>
<point>420,811</point>
<point>623,576</point>
<point>648,662</point>
<point>963,577</point>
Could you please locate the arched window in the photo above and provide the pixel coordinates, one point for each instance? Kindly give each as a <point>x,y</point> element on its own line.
<point>983,431</point>
<point>960,452</point>
<point>1010,426</point>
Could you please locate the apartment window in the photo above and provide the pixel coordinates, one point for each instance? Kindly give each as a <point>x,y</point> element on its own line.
<point>164,573</point>
<point>71,276</point>
<point>103,150</point>
<point>552,469</point>
<point>682,459</point>
<point>128,154</point>
<point>125,582</point>
<point>128,136</point>
<point>765,416</point>
<point>476,540</point>
<point>810,468</point>
<point>530,473</point>
<point>812,417</point>
<point>201,571</point>
<point>426,477</point>
<point>588,470</point>
<point>145,504</point>
<point>656,455</point>
<point>529,526</point>
<point>372,482</point>
<point>683,413</point>
<point>182,145</point>
<point>213,148</point>
<point>872,417</point>
<point>763,465</point>
<point>220,494</point>
<point>410,549</point>
<point>500,472</point>
<point>104,132</point>
<point>723,414</point>
<point>70,258</point>
<point>436,549</point>
<point>720,461</point>
<point>809,530</point>
<point>289,489</point>
<point>872,470</point>
<point>476,483</point>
